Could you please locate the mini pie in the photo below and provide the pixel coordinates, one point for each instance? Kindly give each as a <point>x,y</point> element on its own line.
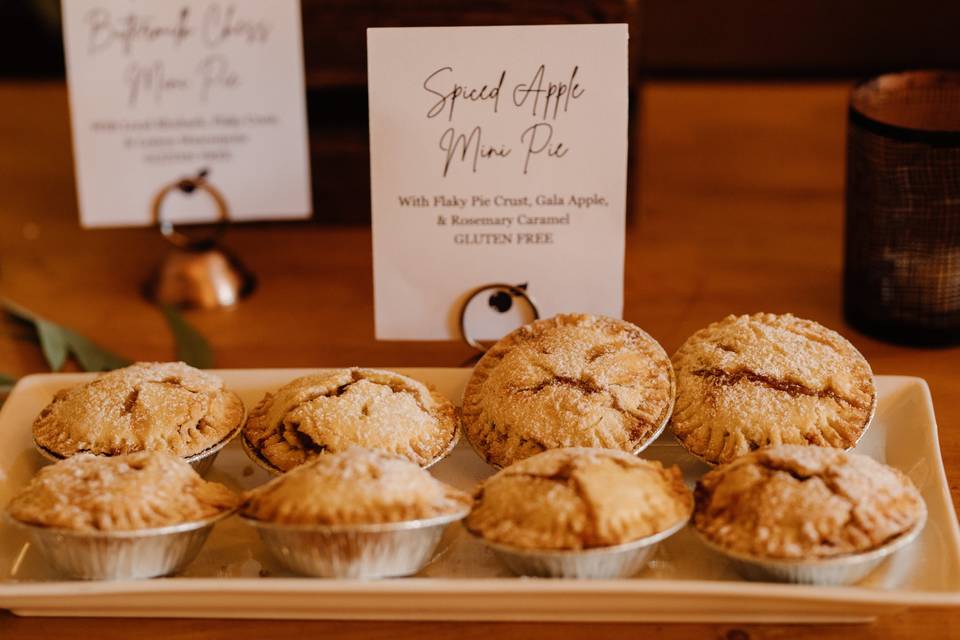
<point>127,492</point>
<point>748,382</point>
<point>805,502</point>
<point>156,406</point>
<point>357,486</point>
<point>571,380</point>
<point>333,410</point>
<point>578,498</point>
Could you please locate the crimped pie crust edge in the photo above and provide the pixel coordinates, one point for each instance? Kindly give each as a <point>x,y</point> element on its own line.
<point>446,413</point>
<point>225,430</point>
<point>473,390</point>
<point>685,405</point>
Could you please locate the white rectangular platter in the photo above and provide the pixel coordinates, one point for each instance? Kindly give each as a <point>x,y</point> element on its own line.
<point>235,577</point>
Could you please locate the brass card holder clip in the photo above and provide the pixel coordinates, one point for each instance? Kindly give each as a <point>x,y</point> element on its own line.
<point>198,272</point>
<point>501,299</point>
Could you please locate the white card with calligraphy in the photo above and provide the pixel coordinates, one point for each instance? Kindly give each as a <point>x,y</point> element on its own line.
<point>164,89</point>
<point>497,155</point>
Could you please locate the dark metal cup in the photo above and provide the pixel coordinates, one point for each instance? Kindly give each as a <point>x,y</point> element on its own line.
<point>902,247</point>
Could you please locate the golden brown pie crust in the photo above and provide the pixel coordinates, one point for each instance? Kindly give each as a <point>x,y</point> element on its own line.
<point>357,486</point>
<point>335,409</point>
<point>124,492</point>
<point>579,498</point>
<point>147,406</point>
<point>571,380</point>
<point>805,502</point>
<point>748,382</point>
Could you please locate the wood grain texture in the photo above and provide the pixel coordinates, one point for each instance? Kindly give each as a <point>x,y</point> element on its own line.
<point>903,628</point>
<point>739,210</point>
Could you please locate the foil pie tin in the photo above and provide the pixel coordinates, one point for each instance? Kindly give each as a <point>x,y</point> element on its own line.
<point>120,555</point>
<point>619,561</point>
<point>379,550</point>
<point>835,571</point>
<point>869,421</point>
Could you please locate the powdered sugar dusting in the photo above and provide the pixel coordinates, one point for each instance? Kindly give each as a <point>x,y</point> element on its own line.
<point>357,486</point>
<point>119,493</point>
<point>571,380</point>
<point>147,406</point>
<point>334,410</point>
<point>805,502</point>
<point>577,498</point>
<point>762,380</point>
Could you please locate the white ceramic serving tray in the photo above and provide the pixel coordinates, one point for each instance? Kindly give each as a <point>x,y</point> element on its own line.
<point>234,576</point>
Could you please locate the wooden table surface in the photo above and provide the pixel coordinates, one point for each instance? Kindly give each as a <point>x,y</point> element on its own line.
<point>739,210</point>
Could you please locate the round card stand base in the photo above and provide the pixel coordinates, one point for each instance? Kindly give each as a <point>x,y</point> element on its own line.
<point>200,279</point>
<point>198,273</point>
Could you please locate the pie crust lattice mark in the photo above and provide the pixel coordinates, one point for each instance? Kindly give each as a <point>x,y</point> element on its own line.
<point>568,381</point>
<point>155,406</point>
<point>330,411</point>
<point>358,486</point>
<point>749,382</point>
<point>805,502</point>
<point>579,498</point>
<point>125,492</point>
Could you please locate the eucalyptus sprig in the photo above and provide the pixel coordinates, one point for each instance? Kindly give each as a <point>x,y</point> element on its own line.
<point>58,342</point>
<point>191,347</point>
<point>6,385</point>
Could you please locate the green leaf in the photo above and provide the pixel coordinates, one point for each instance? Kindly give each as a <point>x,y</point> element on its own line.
<point>6,385</point>
<point>91,356</point>
<point>53,343</point>
<point>58,342</point>
<point>17,311</point>
<point>191,347</point>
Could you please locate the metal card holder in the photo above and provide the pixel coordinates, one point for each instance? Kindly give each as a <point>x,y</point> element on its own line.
<point>502,299</point>
<point>198,272</point>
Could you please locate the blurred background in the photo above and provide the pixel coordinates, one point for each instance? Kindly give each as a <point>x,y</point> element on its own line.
<point>690,39</point>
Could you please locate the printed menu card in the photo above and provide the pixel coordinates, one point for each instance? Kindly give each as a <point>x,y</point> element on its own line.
<point>497,155</point>
<point>161,90</point>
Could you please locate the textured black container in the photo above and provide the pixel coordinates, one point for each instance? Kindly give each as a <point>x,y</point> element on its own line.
<point>902,247</point>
